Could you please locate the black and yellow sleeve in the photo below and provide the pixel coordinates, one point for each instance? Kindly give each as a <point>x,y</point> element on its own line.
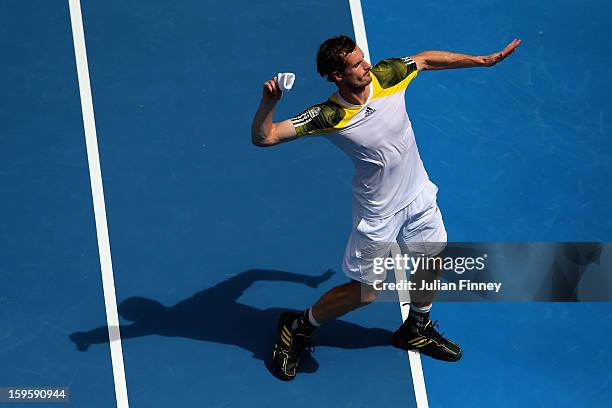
<point>318,119</point>
<point>395,72</point>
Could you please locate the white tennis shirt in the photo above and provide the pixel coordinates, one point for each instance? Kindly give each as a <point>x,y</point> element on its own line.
<point>378,138</point>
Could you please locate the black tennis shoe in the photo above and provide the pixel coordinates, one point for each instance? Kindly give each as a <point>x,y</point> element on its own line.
<point>423,337</point>
<point>287,352</point>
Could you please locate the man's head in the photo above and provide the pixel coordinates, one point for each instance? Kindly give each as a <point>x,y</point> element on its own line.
<point>342,62</point>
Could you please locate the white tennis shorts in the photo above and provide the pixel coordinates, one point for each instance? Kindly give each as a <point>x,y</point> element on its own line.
<point>418,229</point>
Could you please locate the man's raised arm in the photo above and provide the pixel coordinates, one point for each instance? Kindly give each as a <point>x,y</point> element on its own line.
<point>264,132</point>
<point>448,60</point>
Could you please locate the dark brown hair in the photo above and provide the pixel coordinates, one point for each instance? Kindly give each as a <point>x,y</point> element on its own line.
<point>331,55</point>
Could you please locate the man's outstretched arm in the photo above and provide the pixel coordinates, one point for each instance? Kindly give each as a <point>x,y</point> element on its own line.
<point>427,60</point>
<point>264,132</point>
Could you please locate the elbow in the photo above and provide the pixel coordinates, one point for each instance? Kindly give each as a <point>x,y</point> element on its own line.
<point>256,140</point>
<point>261,141</point>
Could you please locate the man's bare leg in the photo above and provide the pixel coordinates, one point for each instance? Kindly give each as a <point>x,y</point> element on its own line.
<point>342,299</point>
<point>424,298</point>
<point>349,296</point>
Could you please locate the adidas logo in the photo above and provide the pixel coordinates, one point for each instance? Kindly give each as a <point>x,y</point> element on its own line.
<point>369,111</point>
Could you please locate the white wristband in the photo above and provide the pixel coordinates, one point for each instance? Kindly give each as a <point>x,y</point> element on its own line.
<point>285,81</point>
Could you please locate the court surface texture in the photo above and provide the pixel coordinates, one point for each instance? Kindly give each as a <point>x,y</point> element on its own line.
<point>212,237</point>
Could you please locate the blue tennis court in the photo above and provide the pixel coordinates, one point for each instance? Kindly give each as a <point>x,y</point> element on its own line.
<point>212,238</point>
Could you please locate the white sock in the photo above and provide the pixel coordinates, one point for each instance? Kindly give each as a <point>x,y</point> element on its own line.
<point>418,317</point>
<point>312,320</point>
<point>422,309</point>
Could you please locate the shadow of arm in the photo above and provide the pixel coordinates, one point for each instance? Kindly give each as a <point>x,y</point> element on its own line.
<point>235,286</point>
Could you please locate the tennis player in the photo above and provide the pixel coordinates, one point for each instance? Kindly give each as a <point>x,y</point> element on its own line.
<point>393,198</point>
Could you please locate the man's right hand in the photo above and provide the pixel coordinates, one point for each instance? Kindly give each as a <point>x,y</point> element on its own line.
<point>263,131</point>
<point>271,92</point>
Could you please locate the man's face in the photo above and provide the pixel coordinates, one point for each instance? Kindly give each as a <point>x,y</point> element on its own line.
<point>357,71</point>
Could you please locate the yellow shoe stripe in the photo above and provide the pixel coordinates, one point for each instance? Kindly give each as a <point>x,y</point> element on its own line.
<point>285,337</point>
<point>285,341</point>
<point>423,343</point>
<point>286,331</point>
<point>416,340</point>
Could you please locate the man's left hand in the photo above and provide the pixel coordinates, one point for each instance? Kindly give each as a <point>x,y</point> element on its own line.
<point>490,60</point>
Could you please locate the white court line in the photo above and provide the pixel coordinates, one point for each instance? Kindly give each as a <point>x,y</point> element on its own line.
<point>97,192</point>
<point>418,380</point>
<point>359,28</point>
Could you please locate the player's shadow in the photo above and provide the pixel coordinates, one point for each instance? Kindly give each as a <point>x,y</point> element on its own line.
<point>215,315</point>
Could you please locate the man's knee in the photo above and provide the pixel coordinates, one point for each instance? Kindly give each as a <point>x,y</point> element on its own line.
<point>368,293</point>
